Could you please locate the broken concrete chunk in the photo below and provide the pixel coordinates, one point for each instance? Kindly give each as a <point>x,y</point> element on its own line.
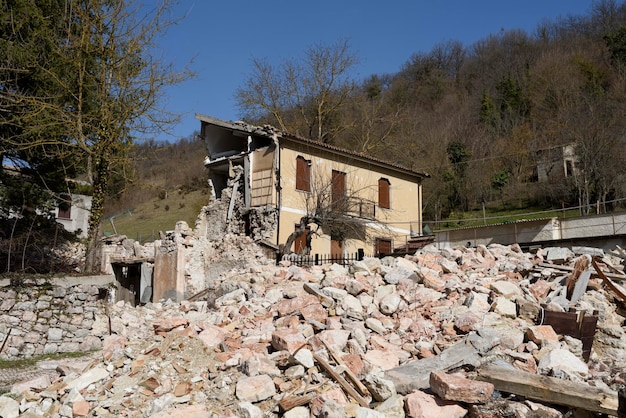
<point>422,405</point>
<point>416,374</point>
<point>506,288</point>
<point>559,361</point>
<point>540,333</point>
<point>380,388</point>
<point>255,389</point>
<point>558,255</point>
<point>456,387</point>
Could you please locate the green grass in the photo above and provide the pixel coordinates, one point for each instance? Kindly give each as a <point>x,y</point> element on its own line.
<point>32,361</point>
<point>144,222</point>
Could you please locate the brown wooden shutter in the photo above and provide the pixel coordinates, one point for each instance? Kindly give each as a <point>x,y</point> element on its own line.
<point>383,193</point>
<point>383,246</point>
<point>303,174</point>
<point>338,191</point>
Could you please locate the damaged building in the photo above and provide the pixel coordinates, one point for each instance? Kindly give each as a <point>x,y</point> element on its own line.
<point>268,182</point>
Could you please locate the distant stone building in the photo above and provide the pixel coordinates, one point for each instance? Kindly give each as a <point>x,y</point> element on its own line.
<point>74,214</point>
<point>556,163</point>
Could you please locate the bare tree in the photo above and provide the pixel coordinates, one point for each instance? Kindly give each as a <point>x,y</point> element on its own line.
<point>335,210</point>
<point>302,97</point>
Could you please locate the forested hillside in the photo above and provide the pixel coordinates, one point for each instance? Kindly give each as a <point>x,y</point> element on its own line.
<point>156,170</point>
<point>478,118</point>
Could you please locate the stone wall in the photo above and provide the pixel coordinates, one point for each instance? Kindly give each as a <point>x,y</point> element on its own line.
<point>49,319</point>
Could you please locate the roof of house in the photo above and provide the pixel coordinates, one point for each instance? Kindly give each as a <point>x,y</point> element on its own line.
<point>269,131</point>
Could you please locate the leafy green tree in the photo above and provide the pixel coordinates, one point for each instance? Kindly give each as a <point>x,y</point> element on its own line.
<point>101,85</point>
<point>459,156</point>
<point>616,43</point>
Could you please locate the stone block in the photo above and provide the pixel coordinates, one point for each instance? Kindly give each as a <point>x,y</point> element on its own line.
<point>255,389</point>
<point>540,333</point>
<point>456,387</point>
<point>422,405</point>
<point>287,340</point>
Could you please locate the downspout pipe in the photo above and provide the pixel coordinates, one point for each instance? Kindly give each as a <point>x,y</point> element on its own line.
<point>279,189</point>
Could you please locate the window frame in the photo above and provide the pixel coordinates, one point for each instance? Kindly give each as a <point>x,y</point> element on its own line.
<point>65,213</point>
<point>303,174</point>
<point>377,245</point>
<point>384,193</point>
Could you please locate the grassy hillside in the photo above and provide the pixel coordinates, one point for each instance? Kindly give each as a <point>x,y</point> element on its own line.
<point>144,222</point>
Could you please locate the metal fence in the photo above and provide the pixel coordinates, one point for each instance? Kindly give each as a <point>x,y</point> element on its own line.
<point>319,259</point>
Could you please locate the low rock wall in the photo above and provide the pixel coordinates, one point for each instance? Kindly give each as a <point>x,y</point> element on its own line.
<point>50,319</point>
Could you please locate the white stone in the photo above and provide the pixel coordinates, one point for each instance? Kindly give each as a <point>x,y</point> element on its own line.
<point>375,325</point>
<point>247,410</point>
<point>392,407</point>
<point>505,307</point>
<point>352,305</point>
<point>304,356</point>
<point>506,288</point>
<point>369,413</point>
<point>333,292</point>
<point>380,388</point>
<point>390,304</point>
<point>55,334</point>
<point>400,273</point>
<point>298,412</point>
<point>9,408</point>
<point>562,360</point>
<point>255,389</point>
<point>87,378</point>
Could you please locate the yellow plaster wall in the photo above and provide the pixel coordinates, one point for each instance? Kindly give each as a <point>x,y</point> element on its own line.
<point>395,223</point>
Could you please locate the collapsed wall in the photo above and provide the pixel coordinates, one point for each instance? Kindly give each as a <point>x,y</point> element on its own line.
<point>391,337</point>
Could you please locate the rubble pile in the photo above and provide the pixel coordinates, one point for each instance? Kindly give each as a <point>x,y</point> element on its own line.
<point>418,336</point>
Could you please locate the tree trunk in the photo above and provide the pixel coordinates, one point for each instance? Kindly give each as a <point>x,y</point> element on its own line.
<point>100,179</point>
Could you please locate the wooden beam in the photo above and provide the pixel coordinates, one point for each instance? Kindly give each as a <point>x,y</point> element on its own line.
<point>550,389</point>
<point>570,269</point>
<point>342,382</point>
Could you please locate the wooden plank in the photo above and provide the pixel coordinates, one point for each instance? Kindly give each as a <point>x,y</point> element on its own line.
<point>550,389</point>
<point>353,378</point>
<point>568,268</point>
<point>339,379</point>
<point>291,402</point>
<point>618,290</point>
<point>574,324</point>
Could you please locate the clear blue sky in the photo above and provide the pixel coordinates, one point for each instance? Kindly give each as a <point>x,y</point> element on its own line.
<point>223,36</point>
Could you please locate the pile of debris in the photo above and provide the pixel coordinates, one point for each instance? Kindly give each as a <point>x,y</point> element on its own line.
<point>485,332</point>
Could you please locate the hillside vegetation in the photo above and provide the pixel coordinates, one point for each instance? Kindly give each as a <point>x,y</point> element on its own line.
<point>477,118</point>
<point>165,183</point>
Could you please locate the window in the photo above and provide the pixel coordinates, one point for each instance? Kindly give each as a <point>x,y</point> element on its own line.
<point>303,174</point>
<point>383,193</point>
<point>338,193</point>
<point>382,246</point>
<point>65,208</point>
<point>569,168</point>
